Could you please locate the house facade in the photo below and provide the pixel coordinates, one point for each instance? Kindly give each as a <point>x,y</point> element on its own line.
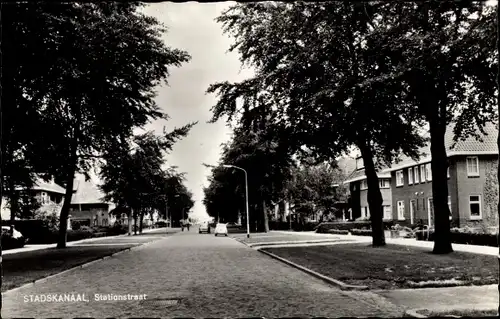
<point>358,192</point>
<point>49,195</point>
<point>88,206</point>
<point>472,185</point>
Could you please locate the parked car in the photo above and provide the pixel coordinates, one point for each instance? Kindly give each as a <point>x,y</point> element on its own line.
<point>204,228</point>
<point>12,240</point>
<point>220,229</point>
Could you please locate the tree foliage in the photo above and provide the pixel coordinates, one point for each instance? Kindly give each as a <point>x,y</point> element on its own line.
<point>134,178</point>
<point>310,61</point>
<point>85,77</point>
<point>443,55</point>
<point>267,163</point>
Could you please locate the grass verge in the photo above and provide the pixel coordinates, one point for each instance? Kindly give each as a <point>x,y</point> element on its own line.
<point>393,266</point>
<point>473,313</point>
<point>25,267</point>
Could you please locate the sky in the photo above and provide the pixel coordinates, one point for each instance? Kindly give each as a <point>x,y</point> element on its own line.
<point>191,27</point>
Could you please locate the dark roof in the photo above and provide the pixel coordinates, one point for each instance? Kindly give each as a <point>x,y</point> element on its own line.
<point>469,146</point>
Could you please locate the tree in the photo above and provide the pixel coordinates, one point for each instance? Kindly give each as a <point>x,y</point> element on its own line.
<point>133,175</point>
<point>312,189</point>
<point>89,100</point>
<point>443,55</point>
<point>309,61</point>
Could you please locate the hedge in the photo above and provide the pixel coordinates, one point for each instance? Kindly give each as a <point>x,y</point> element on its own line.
<point>307,226</point>
<point>338,231</point>
<point>458,237</point>
<point>361,232</point>
<point>325,227</point>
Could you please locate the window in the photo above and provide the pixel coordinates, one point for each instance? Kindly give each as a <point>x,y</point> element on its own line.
<point>399,178</point>
<point>359,163</point>
<point>428,172</point>
<point>387,212</point>
<point>384,183</point>
<point>415,169</point>
<point>365,211</point>
<point>401,210</point>
<point>422,173</point>
<point>363,185</point>
<point>472,166</point>
<point>449,206</point>
<point>475,207</point>
<point>410,176</point>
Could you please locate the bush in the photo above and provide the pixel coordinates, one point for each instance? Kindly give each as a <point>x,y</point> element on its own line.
<point>325,227</point>
<point>464,235</point>
<point>338,231</point>
<point>361,232</point>
<point>75,225</point>
<point>161,224</point>
<point>86,229</point>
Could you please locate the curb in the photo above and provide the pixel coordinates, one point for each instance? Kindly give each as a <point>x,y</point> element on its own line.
<point>41,280</point>
<point>326,242</point>
<point>328,280</point>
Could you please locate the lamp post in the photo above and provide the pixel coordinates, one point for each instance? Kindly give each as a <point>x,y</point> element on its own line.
<point>246,195</point>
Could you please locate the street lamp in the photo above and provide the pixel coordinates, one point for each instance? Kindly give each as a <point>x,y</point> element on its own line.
<point>246,195</point>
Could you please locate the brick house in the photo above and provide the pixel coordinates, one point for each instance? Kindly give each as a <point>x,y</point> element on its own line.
<point>472,183</point>
<point>358,192</point>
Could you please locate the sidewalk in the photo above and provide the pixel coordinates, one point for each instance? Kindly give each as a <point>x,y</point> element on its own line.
<point>72,243</point>
<point>475,249</point>
<point>449,298</point>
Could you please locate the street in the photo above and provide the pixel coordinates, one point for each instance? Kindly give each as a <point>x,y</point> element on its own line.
<point>193,275</point>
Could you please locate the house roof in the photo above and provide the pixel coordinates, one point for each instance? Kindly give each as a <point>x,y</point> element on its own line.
<point>359,175</point>
<point>51,186</point>
<point>469,146</point>
<point>86,192</point>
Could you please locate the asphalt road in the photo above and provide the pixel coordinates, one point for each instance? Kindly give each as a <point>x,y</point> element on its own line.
<point>193,275</point>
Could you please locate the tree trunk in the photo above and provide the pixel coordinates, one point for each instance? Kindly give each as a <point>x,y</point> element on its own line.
<point>266,217</point>
<point>141,219</point>
<point>63,217</point>
<point>135,223</point>
<point>439,165</point>
<point>498,138</point>
<point>130,213</point>
<point>14,201</point>
<point>374,196</point>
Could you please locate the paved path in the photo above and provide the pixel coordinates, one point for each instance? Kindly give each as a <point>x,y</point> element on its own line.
<point>210,276</point>
<point>82,241</point>
<point>476,249</point>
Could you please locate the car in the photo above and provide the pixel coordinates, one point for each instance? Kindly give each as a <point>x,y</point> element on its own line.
<point>220,229</point>
<point>204,228</point>
<point>12,240</point>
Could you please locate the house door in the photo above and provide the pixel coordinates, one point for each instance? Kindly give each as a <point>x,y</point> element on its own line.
<point>430,210</point>
<point>413,209</point>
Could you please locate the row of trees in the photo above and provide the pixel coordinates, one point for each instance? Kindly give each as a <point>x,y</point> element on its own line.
<point>77,80</point>
<point>134,178</point>
<point>274,176</point>
<point>334,75</point>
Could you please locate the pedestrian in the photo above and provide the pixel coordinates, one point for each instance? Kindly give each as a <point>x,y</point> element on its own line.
<point>182,224</point>
<point>187,224</point>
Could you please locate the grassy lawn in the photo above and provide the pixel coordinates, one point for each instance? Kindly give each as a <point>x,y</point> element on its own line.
<point>21,268</point>
<point>393,266</point>
<point>461,313</point>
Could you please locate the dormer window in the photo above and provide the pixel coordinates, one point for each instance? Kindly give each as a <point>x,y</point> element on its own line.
<point>359,163</point>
